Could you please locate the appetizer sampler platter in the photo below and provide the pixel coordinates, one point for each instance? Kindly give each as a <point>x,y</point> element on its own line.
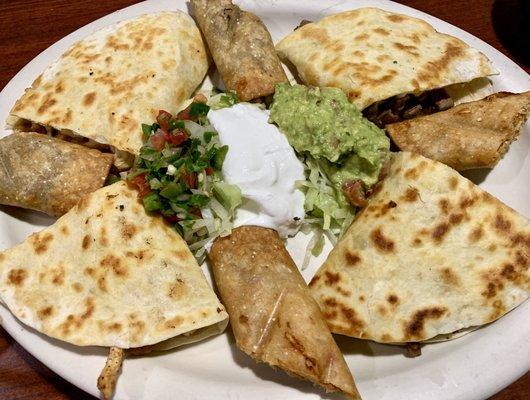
<point>474,366</point>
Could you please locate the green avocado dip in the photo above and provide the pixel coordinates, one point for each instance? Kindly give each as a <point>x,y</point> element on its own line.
<point>322,123</point>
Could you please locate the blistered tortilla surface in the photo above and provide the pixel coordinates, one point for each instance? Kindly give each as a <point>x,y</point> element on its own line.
<point>105,86</point>
<point>431,254</point>
<point>108,274</point>
<point>373,54</point>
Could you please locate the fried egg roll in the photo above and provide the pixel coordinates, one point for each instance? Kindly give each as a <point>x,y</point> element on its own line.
<point>273,316</point>
<point>241,47</point>
<point>46,174</point>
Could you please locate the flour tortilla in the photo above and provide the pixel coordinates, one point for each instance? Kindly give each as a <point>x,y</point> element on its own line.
<point>471,135</point>
<point>373,54</point>
<point>47,174</point>
<point>272,314</point>
<point>108,274</point>
<point>105,86</point>
<point>430,255</point>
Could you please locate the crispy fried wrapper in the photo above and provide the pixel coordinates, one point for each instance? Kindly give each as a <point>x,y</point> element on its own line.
<point>241,47</point>
<point>43,173</point>
<point>109,376</point>
<point>273,316</point>
<point>470,135</point>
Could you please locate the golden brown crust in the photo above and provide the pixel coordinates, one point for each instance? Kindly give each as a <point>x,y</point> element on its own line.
<point>109,375</point>
<point>241,47</point>
<point>470,135</point>
<point>272,314</point>
<point>47,174</point>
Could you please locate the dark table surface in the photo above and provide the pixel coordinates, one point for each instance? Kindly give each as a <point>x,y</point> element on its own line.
<point>27,27</point>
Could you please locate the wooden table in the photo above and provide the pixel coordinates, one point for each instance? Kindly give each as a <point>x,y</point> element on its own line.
<point>27,27</point>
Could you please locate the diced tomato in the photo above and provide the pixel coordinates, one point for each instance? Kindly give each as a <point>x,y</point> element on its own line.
<point>158,140</point>
<point>163,120</point>
<point>177,137</point>
<point>209,170</point>
<point>354,193</point>
<point>189,178</point>
<point>172,219</point>
<point>195,211</point>
<point>185,114</point>
<point>200,98</point>
<point>139,182</point>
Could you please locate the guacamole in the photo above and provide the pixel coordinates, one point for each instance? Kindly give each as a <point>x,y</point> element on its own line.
<point>322,122</point>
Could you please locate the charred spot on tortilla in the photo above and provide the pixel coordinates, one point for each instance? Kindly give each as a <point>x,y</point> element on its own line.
<point>17,276</point>
<point>382,242</point>
<point>331,278</point>
<point>352,258</point>
<point>414,328</point>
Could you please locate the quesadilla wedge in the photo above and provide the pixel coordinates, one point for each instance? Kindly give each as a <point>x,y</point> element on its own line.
<point>272,314</point>
<point>471,135</point>
<point>241,47</point>
<point>108,274</point>
<point>373,55</point>
<point>107,84</point>
<point>47,174</point>
<point>429,255</point>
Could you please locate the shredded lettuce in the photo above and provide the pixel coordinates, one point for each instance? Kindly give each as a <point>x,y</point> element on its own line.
<point>223,100</point>
<point>328,212</point>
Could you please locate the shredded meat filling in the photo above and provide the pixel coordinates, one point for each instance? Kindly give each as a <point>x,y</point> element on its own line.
<point>406,106</point>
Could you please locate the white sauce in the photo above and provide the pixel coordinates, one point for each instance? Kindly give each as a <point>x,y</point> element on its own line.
<point>264,166</point>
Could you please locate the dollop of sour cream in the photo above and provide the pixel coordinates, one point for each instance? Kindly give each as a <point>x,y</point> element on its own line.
<point>264,166</point>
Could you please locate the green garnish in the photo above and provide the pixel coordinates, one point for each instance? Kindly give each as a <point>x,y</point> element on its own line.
<point>178,175</point>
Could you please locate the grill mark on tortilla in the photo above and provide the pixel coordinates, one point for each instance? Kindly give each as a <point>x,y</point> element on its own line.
<point>89,98</point>
<point>381,31</point>
<point>128,231</point>
<point>440,231</point>
<point>432,69</point>
<point>114,263</point>
<point>76,322</point>
<point>58,275</point>
<point>411,194</point>
<point>381,242</point>
<point>392,299</point>
<point>17,276</point>
<point>64,230</point>
<point>453,183</point>
<point>352,258</point>
<point>331,278</point>
<point>40,244</point>
<point>449,277</point>
<point>77,287</point>
<point>174,322</point>
<point>502,224</point>
<point>86,242</point>
<point>178,289</point>
<point>45,312</point>
<point>415,327</point>
<point>443,204</point>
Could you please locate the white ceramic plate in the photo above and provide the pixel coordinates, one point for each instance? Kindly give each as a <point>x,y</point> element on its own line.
<point>472,367</point>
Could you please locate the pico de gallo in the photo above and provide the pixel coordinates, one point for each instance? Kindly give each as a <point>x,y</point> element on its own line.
<point>178,175</point>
